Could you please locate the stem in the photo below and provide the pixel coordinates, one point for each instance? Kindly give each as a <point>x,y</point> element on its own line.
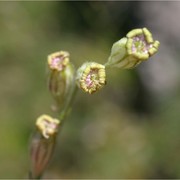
<point>68,103</point>
<point>48,151</point>
<point>63,115</point>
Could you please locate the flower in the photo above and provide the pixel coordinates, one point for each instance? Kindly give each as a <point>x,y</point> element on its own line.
<point>42,145</point>
<point>47,125</point>
<point>58,60</point>
<point>91,77</point>
<point>61,76</point>
<point>136,47</point>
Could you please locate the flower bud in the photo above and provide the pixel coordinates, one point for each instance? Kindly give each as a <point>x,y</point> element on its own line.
<point>42,145</point>
<point>137,46</point>
<point>61,75</point>
<point>91,77</point>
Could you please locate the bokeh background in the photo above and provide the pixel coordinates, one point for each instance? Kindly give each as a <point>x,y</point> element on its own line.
<point>130,129</point>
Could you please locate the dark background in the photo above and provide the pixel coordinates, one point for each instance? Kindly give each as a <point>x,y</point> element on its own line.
<point>130,129</point>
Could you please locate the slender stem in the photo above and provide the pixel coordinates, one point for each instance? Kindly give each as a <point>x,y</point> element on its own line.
<point>62,116</point>
<point>68,103</point>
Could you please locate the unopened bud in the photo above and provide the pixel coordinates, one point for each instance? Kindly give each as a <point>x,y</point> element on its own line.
<point>91,77</point>
<point>137,46</point>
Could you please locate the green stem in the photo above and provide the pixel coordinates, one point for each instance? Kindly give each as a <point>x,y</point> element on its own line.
<point>68,103</point>
<point>62,117</point>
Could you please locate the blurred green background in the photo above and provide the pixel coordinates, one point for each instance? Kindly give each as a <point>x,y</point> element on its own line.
<point>130,129</point>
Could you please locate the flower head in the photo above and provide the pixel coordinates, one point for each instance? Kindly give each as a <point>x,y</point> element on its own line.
<point>140,44</point>
<point>137,46</point>
<point>47,125</point>
<point>91,77</point>
<point>58,60</point>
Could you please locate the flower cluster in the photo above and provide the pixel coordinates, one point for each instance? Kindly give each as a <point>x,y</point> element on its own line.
<point>90,77</point>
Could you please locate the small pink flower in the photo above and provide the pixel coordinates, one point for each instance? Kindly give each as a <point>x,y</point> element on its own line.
<point>91,77</point>
<point>58,60</point>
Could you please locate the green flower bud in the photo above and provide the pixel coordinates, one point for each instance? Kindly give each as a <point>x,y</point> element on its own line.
<point>137,46</point>
<point>61,76</point>
<point>42,145</point>
<point>91,77</point>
